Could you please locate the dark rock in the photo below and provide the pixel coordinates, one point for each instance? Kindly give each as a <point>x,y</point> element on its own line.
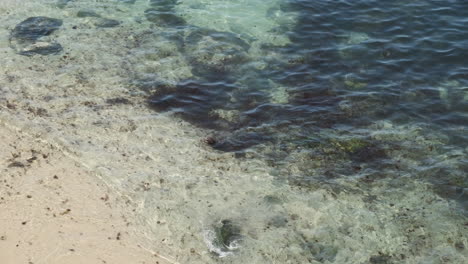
<point>16,164</point>
<point>459,245</point>
<point>63,3</point>
<point>128,1</point>
<point>164,18</point>
<point>87,13</point>
<point>41,48</point>
<point>25,37</point>
<point>107,23</point>
<point>34,28</point>
<point>227,234</point>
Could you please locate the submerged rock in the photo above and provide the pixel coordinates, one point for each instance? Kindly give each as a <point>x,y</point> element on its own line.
<point>41,48</point>
<point>231,116</point>
<point>350,145</point>
<point>34,28</point>
<point>453,94</point>
<point>98,20</point>
<point>221,36</point>
<point>360,150</point>
<point>213,54</point>
<point>87,13</point>
<point>159,3</point>
<point>107,23</point>
<point>240,141</point>
<point>368,154</point>
<point>163,17</point>
<point>163,5</point>
<point>354,38</point>
<point>63,3</point>
<point>27,37</point>
<point>227,236</point>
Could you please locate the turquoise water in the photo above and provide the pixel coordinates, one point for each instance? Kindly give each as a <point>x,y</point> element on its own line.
<point>282,131</point>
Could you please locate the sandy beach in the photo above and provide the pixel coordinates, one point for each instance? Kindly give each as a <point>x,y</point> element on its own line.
<point>55,211</point>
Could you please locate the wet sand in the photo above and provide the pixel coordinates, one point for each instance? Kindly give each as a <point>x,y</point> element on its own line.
<point>53,210</point>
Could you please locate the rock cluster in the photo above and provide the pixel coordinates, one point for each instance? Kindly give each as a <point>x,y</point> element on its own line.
<point>31,36</point>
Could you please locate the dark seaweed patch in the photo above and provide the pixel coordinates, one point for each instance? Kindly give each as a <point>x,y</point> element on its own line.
<point>193,100</point>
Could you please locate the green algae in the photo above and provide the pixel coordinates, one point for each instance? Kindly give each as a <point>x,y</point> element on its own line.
<point>355,84</point>
<point>351,145</point>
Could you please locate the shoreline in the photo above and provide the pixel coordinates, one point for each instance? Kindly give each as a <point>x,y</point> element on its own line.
<point>330,169</point>
<point>56,211</point>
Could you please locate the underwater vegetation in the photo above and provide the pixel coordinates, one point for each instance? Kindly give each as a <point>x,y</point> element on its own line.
<point>333,74</point>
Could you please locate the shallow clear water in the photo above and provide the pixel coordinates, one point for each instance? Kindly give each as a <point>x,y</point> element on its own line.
<point>282,131</point>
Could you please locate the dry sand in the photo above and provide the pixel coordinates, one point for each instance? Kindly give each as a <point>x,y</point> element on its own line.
<point>52,210</point>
